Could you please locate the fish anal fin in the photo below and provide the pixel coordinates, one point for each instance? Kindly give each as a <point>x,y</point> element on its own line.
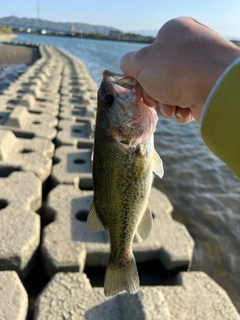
<point>94,223</point>
<point>145,225</point>
<point>157,164</point>
<point>120,278</point>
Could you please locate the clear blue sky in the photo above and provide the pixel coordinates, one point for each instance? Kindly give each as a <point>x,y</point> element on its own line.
<point>129,15</point>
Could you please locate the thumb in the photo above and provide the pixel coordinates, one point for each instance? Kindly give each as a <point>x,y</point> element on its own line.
<point>128,64</point>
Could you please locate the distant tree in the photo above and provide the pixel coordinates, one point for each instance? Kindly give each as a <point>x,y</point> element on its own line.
<point>4,29</point>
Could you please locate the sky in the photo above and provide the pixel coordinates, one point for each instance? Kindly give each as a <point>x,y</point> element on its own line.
<point>131,15</point>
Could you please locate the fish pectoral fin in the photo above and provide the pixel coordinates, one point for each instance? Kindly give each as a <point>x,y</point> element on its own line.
<point>94,223</point>
<point>157,164</point>
<point>145,225</point>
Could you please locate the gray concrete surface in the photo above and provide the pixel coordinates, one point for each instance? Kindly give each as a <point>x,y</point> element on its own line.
<point>20,197</point>
<point>13,297</point>
<point>70,296</point>
<point>23,123</point>
<point>73,166</point>
<point>197,297</point>
<point>75,132</point>
<point>67,245</point>
<point>71,112</point>
<point>30,155</point>
<point>16,54</point>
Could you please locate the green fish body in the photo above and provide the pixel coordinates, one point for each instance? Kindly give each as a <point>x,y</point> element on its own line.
<point>123,162</point>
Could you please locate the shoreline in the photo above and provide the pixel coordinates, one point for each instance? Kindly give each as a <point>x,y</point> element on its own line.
<point>7,37</point>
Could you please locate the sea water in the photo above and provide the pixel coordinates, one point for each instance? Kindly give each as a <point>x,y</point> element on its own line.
<point>204,192</point>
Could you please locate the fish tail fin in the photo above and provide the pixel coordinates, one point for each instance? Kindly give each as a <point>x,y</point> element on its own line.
<point>119,278</point>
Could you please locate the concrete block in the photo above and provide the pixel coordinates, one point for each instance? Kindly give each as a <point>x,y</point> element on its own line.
<point>26,124</point>
<point>47,108</point>
<point>19,225</point>
<point>28,100</point>
<point>75,132</point>
<point>18,118</point>
<point>49,97</point>
<point>80,100</point>
<point>13,297</point>
<point>30,155</point>
<point>70,296</point>
<point>76,112</point>
<point>72,166</point>
<point>39,107</point>
<point>198,297</point>
<point>67,244</point>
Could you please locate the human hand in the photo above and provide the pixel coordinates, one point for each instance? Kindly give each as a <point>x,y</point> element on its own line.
<point>178,71</point>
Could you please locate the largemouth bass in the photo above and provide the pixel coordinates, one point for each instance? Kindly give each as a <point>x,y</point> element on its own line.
<point>123,161</point>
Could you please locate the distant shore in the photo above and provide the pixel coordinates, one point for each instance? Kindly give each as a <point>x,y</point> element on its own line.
<point>7,37</point>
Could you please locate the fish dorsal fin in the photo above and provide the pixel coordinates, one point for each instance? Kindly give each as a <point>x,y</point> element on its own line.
<point>94,223</point>
<point>145,225</point>
<point>157,164</point>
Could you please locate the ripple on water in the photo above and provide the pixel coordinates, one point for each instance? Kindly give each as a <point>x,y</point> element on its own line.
<point>206,198</point>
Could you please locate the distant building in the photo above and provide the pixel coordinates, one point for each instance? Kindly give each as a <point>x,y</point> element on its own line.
<point>72,29</point>
<point>114,34</point>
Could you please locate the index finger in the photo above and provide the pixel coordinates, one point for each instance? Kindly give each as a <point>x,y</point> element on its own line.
<point>128,64</point>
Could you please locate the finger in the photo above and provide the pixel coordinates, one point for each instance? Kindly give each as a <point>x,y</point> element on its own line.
<point>183,115</point>
<point>149,100</point>
<point>165,110</point>
<point>128,65</point>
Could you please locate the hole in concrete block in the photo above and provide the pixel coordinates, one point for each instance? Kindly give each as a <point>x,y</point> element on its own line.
<point>26,151</point>
<point>85,144</point>
<point>82,215</point>
<point>79,161</point>
<point>21,92</point>
<point>7,170</point>
<point>24,135</point>
<point>13,101</point>
<point>36,122</point>
<point>34,112</point>
<point>3,204</point>
<point>86,184</point>
<point>41,99</point>
<point>56,160</point>
<point>77,130</point>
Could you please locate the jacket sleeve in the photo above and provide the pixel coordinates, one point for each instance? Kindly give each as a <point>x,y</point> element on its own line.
<point>220,123</point>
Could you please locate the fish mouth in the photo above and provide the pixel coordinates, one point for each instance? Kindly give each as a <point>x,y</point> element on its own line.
<point>118,84</point>
<point>141,122</point>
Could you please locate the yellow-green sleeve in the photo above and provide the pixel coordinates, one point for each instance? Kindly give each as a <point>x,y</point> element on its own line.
<point>220,124</point>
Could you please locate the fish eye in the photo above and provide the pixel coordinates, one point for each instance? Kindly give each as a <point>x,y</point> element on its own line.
<point>108,99</point>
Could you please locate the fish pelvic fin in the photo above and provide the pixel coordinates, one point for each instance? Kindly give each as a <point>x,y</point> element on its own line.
<point>157,164</point>
<point>94,223</point>
<point>119,278</point>
<point>145,226</point>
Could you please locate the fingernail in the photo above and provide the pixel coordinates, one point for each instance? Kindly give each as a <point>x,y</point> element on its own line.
<point>164,115</point>
<point>178,116</point>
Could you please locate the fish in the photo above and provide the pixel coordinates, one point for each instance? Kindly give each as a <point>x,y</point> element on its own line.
<point>123,161</point>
